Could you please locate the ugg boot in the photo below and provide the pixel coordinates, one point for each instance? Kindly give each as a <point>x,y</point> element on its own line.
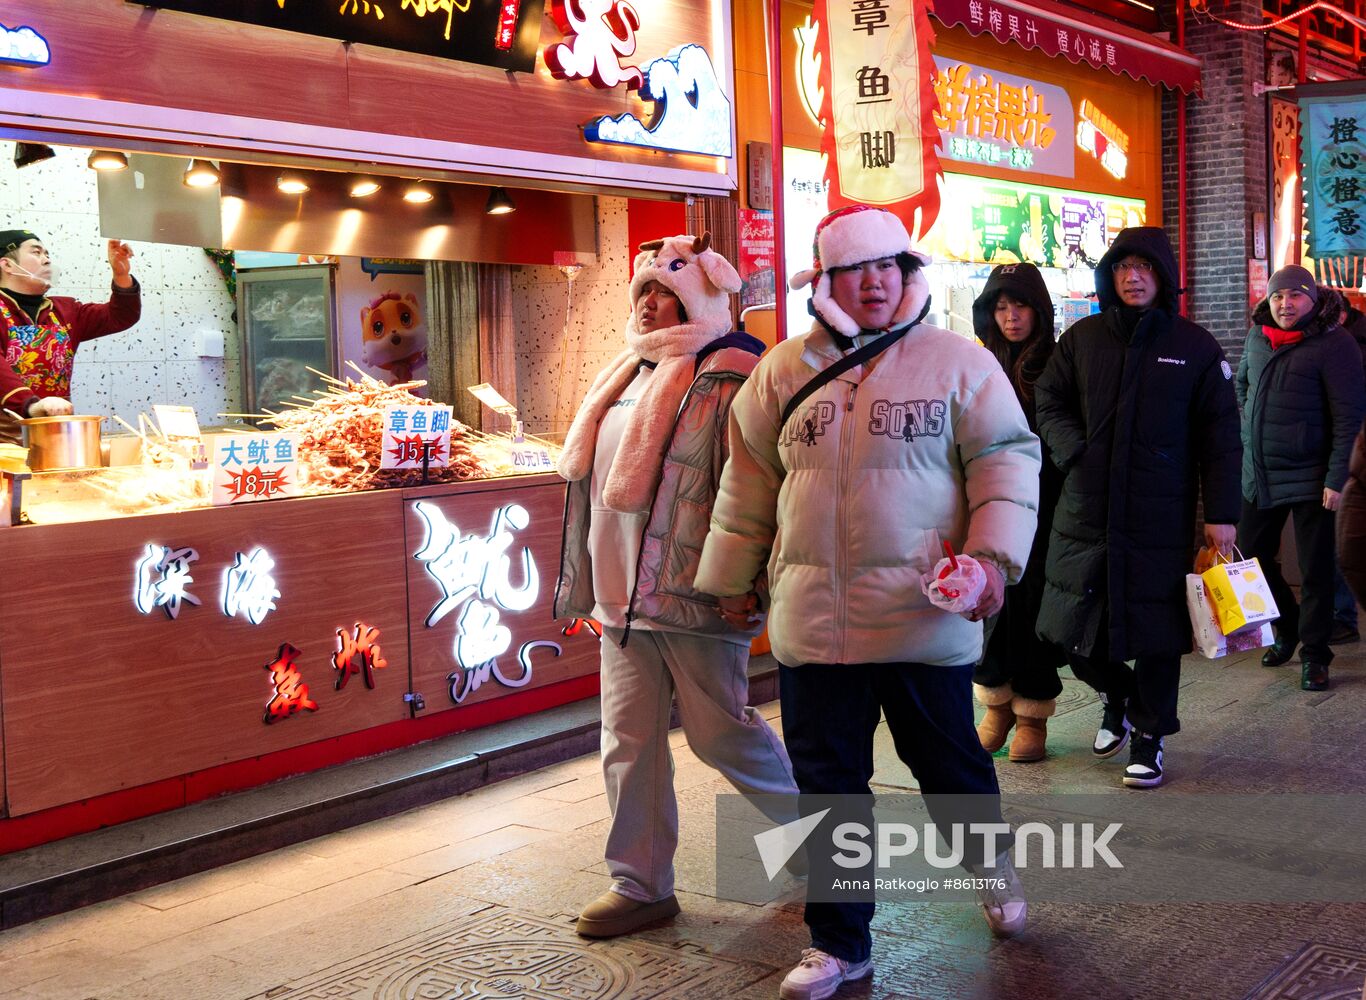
<point>996,723</point>
<point>1031,728</point>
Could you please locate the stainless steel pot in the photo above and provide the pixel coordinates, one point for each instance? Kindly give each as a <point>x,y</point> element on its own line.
<point>60,443</point>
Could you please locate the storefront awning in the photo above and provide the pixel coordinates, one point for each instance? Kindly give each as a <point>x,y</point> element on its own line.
<point>1055,29</point>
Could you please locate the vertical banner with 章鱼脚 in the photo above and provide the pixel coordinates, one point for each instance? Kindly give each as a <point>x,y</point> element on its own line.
<point>878,133</point>
<point>1333,151</point>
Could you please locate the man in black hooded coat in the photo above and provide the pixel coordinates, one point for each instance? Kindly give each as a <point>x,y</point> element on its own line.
<point>1137,409</point>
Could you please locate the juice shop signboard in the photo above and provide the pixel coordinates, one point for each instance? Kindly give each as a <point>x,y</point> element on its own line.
<point>998,120</point>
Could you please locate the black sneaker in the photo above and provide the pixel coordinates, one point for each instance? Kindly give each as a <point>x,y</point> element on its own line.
<point>1343,634</point>
<point>1145,762</point>
<point>1114,729</point>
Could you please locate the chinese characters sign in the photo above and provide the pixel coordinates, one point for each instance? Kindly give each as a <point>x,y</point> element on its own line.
<point>1002,120</point>
<point>161,579</point>
<point>501,33</point>
<point>250,467</point>
<point>1333,145</point>
<point>877,107</point>
<point>474,574</point>
<point>755,262</point>
<point>1016,21</point>
<point>411,430</point>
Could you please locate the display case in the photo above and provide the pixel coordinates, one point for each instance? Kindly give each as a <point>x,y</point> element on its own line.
<point>288,320</point>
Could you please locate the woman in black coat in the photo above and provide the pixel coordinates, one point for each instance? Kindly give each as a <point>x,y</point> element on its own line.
<point>1017,679</point>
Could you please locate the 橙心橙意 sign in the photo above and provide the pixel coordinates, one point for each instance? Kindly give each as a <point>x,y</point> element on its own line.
<point>501,33</point>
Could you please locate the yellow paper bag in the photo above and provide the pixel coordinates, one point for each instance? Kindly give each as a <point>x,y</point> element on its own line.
<point>1239,594</point>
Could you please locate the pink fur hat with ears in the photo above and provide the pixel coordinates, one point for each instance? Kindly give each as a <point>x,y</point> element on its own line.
<point>702,279</point>
<point>851,236</point>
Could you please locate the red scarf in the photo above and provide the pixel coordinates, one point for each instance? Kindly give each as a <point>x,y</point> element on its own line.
<point>1280,338</point>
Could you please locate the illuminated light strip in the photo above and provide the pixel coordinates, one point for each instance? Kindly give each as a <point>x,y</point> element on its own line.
<point>1317,5</point>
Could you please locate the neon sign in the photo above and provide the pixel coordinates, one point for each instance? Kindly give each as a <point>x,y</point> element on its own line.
<point>463,683</point>
<point>249,587</point>
<point>290,693</point>
<point>1098,135</point>
<point>473,571</point>
<point>161,579</point>
<point>23,46</point>
<point>358,652</point>
<point>502,33</point>
<point>472,565</point>
<point>598,33</point>
<point>692,113</point>
<point>993,118</point>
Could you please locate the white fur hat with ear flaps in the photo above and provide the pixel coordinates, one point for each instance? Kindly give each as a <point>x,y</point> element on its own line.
<point>855,235</point>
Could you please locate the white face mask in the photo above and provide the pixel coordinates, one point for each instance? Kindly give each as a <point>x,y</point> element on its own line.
<point>48,282</point>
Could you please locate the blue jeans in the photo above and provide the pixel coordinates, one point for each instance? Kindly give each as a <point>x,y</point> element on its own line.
<point>830,713</point>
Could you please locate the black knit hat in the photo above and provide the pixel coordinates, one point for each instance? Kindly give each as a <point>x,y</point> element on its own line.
<point>13,239</point>
<point>1292,277</point>
<point>1023,283</point>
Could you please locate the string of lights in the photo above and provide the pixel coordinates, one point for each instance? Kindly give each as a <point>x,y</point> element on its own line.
<point>1201,7</point>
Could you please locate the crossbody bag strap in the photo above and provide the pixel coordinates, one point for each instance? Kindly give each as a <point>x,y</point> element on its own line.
<point>863,355</point>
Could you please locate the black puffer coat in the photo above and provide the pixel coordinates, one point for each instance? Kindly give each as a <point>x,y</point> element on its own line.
<point>1351,522</point>
<point>1302,406</point>
<point>1140,426</point>
<point>1014,645</point>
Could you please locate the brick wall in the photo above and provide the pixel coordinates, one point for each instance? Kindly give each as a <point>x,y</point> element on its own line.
<point>1226,169</point>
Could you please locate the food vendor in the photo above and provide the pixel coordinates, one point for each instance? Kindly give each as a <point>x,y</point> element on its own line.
<point>39,335</point>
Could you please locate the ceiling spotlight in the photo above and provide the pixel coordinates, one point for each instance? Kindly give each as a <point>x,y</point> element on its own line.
<point>418,193</point>
<point>31,152</point>
<point>107,159</point>
<point>363,187</point>
<point>291,184</point>
<point>200,174</point>
<point>499,203</point>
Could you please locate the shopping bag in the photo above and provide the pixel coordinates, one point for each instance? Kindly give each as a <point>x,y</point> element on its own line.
<point>1239,594</point>
<point>1210,642</point>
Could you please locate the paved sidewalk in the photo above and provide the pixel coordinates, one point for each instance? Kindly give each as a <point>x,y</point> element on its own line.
<point>475,896</point>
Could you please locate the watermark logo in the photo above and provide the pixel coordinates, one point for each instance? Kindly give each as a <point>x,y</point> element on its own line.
<point>1206,848</point>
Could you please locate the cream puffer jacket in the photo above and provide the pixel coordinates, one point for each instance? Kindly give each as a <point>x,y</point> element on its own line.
<point>849,503</point>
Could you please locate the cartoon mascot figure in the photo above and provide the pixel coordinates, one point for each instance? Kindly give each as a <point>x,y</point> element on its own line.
<point>393,336</point>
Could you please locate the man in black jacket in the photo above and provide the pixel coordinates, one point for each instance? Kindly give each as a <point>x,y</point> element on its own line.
<point>1137,409</point>
<point>1302,391</point>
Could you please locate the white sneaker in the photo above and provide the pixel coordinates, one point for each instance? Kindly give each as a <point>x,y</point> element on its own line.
<point>1114,729</point>
<point>1002,899</point>
<point>819,975</point>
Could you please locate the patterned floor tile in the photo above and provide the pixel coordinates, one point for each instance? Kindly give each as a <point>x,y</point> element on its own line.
<point>504,953</point>
<point>1317,972</point>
